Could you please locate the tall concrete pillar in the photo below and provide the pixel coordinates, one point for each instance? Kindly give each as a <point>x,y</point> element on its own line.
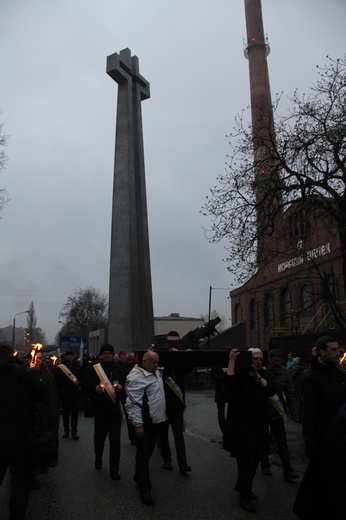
<point>131,322</point>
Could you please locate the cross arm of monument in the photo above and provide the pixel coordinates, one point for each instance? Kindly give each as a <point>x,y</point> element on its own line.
<point>124,67</point>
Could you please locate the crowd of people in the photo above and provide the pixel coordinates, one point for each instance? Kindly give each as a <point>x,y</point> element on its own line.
<point>252,403</point>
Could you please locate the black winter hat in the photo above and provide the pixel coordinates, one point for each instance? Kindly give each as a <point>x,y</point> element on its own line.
<point>107,348</point>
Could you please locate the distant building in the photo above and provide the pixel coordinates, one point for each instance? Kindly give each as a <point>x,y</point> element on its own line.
<point>6,334</point>
<point>96,339</point>
<point>177,323</point>
<point>162,326</point>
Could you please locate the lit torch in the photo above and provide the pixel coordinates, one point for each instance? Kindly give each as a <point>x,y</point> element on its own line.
<point>35,347</point>
<point>53,359</point>
<point>342,361</point>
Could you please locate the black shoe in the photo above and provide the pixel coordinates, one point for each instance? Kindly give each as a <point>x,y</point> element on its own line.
<point>252,495</point>
<point>267,471</point>
<point>147,499</point>
<point>246,504</point>
<point>53,463</point>
<point>75,436</point>
<point>167,464</point>
<point>35,484</point>
<point>291,475</point>
<point>98,463</point>
<point>66,435</point>
<point>185,468</point>
<point>115,475</point>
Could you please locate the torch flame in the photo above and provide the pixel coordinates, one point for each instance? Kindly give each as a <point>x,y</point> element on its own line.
<point>54,359</point>
<point>342,359</point>
<point>35,347</point>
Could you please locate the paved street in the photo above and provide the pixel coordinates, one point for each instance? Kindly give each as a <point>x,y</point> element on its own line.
<point>74,489</point>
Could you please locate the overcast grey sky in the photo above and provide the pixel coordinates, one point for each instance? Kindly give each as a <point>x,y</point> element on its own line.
<point>59,108</point>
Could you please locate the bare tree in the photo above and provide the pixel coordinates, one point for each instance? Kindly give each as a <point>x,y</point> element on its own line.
<point>34,334</point>
<point>301,165</point>
<point>84,311</point>
<point>4,197</point>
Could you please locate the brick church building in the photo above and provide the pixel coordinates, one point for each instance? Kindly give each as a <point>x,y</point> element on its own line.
<point>299,287</point>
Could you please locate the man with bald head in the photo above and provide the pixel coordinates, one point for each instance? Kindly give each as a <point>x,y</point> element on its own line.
<point>145,405</point>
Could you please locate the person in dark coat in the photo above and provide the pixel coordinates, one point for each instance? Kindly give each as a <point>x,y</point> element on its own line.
<point>285,398</point>
<point>20,387</point>
<point>67,376</point>
<point>323,488</point>
<point>246,432</point>
<point>126,369</point>
<point>217,374</point>
<point>49,409</point>
<point>104,382</point>
<point>174,387</point>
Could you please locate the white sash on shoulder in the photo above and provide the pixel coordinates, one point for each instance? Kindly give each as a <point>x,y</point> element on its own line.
<point>68,373</point>
<point>175,388</point>
<point>105,382</point>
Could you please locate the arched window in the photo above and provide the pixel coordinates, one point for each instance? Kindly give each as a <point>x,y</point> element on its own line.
<point>268,311</point>
<point>254,322</point>
<point>332,288</point>
<point>238,313</point>
<point>305,298</point>
<point>330,297</point>
<point>306,309</point>
<point>253,314</point>
<point>286,315</point>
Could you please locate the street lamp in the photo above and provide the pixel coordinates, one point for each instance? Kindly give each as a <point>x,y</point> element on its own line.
<point>59,347</point>
<point>14,325</point>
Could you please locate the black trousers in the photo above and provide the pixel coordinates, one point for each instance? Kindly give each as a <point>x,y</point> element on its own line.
<point>108,424</point>
<point>277,427</point>
<point>221,414</point>
<point>145,448</point>
<point>247,467</point>
<point>327,466</point>
<point>16,460</point>
<point>70,408</point>
<point>177,424</point>
<point>131,431</point>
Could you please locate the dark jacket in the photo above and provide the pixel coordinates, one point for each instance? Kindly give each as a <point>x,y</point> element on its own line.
<point>66,388</point>
<point>49,409</point>
<point>324,393</point>
<point>103,403</point>
<point>247,415</point>
<point>285,389</point>
<point>217,375</point>
<point>20,387</point>
<point>174,404</point>
<point>324,390</point>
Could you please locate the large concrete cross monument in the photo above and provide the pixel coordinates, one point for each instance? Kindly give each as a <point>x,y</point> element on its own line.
<point>131,322</point>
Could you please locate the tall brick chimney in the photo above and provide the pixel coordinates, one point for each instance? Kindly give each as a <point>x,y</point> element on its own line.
<point>266,172</point>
